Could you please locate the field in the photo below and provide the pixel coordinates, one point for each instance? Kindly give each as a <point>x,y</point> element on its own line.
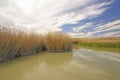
<point>111,44</point>
<point>100,44</point>
<point>102,39</point>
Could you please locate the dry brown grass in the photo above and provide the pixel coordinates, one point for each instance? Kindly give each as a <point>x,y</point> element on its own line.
<point>9,41</point>
<point>15,42</point>
<point>57,41</point>
<point>102,39</point>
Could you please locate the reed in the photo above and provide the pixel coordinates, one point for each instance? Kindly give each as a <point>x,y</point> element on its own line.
<point>9,41</point>
<point>17,42</point>
<point>57,41</point>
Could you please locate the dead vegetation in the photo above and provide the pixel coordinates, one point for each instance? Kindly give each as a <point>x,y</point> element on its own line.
<point>16,42</point>
<point>57,41</point>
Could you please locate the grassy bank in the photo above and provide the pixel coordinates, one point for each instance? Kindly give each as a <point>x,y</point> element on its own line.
<point>100,44</point>
<point>102,39</point>
<point>114,50</point>
<point>16,42</point>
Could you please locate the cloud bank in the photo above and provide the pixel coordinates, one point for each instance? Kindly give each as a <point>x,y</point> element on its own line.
<point>43,16</point>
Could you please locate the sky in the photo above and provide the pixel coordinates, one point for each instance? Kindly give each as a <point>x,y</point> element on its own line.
<point>78,18</point>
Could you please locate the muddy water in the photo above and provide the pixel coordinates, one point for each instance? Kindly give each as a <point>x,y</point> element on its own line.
<point>80,64</point>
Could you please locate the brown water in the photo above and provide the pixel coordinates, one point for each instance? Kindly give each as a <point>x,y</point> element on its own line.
<point>80,64</point>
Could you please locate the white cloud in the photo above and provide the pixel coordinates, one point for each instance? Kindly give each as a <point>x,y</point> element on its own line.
<point>112,34</point>
<point>81,35</point>
<point>108,26</point>
<point>78,29</point>
<point>49,15</point>
<point>110,29</point>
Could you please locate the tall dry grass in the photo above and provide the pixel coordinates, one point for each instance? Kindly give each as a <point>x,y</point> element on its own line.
<point>9,41</point>
<point>57,41</point>
<point>16,42</point>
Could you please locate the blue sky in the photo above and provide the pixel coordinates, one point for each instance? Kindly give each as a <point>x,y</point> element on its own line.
<point>110,15</point>
<point>79,18</point>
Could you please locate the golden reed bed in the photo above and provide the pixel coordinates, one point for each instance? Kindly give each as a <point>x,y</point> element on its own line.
<point>16,42</point>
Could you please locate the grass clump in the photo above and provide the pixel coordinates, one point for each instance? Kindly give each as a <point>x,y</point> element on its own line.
<point>57,42</point>
<point>31,43</point>
<point>15,42</point>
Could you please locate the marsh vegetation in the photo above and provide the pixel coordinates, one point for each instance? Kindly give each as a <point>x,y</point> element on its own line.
<point>57,42</point>
<point>16,42</point>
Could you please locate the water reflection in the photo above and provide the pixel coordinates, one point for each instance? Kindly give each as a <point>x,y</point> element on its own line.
<point>99,64</point>
<point>81,64</point>
<point>25,67</point>
<point>57,60</point>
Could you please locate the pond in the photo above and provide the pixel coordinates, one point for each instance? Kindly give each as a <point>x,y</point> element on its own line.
<point>80,64</point>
